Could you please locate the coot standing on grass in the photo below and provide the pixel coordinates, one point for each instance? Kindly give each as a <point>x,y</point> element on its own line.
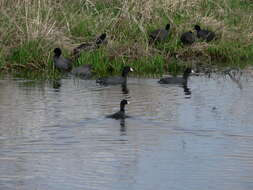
<point>187,38</point>
<point>159,35</point>
<point>204,34</point>
<point>121,113</point>
<point>88,46</point>
<point>61,63</point>
<point>176,80</point>
<point>117,79</point>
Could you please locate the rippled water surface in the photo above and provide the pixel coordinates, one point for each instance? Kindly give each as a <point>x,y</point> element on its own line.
<point>54,135</point>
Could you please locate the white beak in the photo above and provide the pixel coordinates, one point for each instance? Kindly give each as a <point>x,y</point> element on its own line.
<point>131,69</point>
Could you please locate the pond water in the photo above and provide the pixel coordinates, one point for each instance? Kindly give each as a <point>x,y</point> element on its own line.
<point>54,135</point>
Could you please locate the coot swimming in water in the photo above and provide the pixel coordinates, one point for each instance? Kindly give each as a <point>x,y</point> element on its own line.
<point>115,79</point>
<point>121,113</point>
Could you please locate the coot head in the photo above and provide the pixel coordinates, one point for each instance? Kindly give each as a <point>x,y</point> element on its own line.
<point>167,27</point>
<point>126,70</point>
<point>187,72</point>
<point>57,52</point>
<point>102,36</point>
<point>122,104</point>
<point>197,28</point>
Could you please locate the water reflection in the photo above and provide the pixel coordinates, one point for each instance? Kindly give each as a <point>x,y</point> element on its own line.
<point>59,138</point>
<point>187,91</point>
<point>122,127</point>
<point>124,88</point>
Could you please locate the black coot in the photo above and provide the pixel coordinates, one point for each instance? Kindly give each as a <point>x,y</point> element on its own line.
<point>61,63</point>
<point>187,38</point>
<point>88,46</point>
<point>176,80</point>
<point>121,113</point>
<point>117,79</point>
<point>159,35</point>
<point>204,34</point>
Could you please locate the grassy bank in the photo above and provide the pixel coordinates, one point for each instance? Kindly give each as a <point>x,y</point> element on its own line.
<point>31,29</point>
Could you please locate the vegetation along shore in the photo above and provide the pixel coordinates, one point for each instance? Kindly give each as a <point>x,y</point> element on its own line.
<point>30,31</point>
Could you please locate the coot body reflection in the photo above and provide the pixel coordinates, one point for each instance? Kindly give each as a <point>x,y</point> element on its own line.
<point>176,80</point>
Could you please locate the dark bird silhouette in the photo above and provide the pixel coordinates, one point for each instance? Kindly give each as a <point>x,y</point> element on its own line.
<point>204,34</point>
<point>121,113</point>
<point>116,79</point>
<point>159,35</point>
<point>187,38</point>
<point>61,63</point>
<point>88,46</point>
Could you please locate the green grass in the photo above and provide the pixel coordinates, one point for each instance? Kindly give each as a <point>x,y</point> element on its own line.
<point>29,56</point>
<point>103,66</point>
<point>30,30</point>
